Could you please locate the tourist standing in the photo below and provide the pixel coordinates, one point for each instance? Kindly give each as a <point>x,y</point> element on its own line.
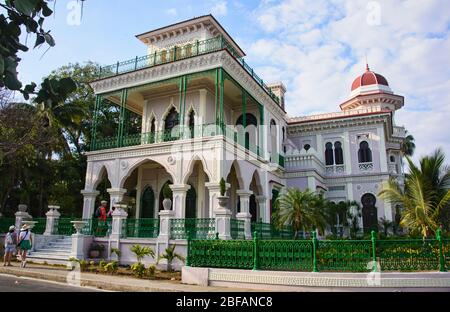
<point>25,243</point>
<point>10,245</point>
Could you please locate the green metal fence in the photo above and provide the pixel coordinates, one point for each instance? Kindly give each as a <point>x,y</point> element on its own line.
<point>233,254</point>
<point>237,229</point>
<point>142,228</point>
<point>96,227</point>
<point>198,228</point>
<point>64,226</point>
<point>408,255</point>
<point>5,223</point>
<point>315,255</point>
<point>269,231</point>
<point>39,227</point>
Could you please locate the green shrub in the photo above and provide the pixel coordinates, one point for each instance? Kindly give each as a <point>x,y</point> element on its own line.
<point>223,187</point>
<point>141,252</point>
<point>82,263</point>
<point>167,192</point>
<point>138,269</point>
<point>171,255</point>
<point>116,251</point>
<point>111,267</point>
<point>151,271</point>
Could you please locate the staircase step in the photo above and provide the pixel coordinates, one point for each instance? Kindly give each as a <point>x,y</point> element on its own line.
<point>53,250</point>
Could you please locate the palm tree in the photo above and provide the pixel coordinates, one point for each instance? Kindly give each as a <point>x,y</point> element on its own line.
<point>384,225</point>
<point>426,194</point>
<point>141,252</point>
<point>339,213</point>
<point>170,255</point>
<point>408,146</point>
<point>302,210</point>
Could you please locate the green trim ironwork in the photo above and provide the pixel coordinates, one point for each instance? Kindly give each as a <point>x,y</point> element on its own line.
<point>39,227</point>
<point>142,228</point>
<point>182,52</point>
<point>237,229</point>
<point>64,226</point>
<point>200,228</point>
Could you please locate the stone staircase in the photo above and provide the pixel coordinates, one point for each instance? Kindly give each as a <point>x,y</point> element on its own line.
<point>55,252</point>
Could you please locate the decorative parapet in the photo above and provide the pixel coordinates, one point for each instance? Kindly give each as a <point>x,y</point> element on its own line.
<point>346,113</point>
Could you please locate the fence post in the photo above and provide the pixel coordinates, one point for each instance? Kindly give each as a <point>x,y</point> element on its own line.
<point>51,225</point>
<point>255,251</point>
<point>188,257</point>
<point>442,267</point>
<point>314,243</point>
<point>374,250</point>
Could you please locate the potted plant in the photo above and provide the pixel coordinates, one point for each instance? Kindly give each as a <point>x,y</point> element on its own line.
<point>167,193</point>
<point>95,250</point>
<point>223,200</point>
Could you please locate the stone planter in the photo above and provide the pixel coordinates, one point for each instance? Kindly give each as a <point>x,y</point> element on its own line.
<point>223,201</point>
<point>94,254</point>
<point>78,225</point>
<point>167,204</point>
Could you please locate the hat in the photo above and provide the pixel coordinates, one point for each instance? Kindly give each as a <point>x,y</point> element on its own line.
<point>12,228</point>
<point>103,202</point>
<point>25,227</point>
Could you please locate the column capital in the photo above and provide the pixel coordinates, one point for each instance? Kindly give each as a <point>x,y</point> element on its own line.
<point>88,193</point>
<point>244,193</point>
<point>260,198</point>
<point>180,187</point>
<point>116,191</point>
<point>215,186</point>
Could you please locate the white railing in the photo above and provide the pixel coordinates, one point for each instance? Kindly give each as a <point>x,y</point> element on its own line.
<point>353,112</point>
<point>399,132</point>
<point>366,167</point>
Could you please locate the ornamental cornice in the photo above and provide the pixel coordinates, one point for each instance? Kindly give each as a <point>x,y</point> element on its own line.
<point>314,126</point>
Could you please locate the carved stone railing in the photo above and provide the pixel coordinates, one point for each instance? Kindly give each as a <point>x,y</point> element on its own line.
<point>366,167</point>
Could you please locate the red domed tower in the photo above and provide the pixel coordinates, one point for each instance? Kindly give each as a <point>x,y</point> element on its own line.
<point>372,90</point>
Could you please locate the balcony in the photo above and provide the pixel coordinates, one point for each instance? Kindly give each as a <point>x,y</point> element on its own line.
<point>177,134</point>
<point>399,132</point>
<point>366,167</point>
<point>335,170</point>
<point>179,53</point>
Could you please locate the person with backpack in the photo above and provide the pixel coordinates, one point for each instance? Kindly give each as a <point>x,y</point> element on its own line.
<point>25,243</point>
<point>10,245</point>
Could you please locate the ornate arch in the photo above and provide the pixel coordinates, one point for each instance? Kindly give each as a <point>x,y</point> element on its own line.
<point>130,168</point>
<point>191,166</point>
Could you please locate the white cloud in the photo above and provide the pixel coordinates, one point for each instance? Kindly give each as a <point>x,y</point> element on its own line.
<point>220,8</point>
<point>319,47</point>
<point>172,12</point>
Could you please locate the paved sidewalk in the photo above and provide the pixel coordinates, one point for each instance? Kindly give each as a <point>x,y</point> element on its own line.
<point>109,282</point>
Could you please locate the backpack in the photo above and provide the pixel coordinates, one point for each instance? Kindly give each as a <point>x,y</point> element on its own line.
<point>9,239</point>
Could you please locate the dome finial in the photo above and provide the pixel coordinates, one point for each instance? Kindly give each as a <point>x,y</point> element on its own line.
<point>367,64</point>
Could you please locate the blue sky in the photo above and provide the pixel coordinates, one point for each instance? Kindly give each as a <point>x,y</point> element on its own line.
<point>315,47</point>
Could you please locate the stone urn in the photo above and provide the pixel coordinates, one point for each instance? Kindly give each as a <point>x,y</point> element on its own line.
<point>22,208</point>
<point>223,201</point>
<point>53,207</point>
<point>167,203</point>
<point>78,225</point>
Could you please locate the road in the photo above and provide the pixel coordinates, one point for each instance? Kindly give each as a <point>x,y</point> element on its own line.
<point>21,284</point>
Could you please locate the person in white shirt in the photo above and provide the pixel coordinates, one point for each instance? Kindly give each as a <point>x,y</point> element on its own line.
<point>25,243</point>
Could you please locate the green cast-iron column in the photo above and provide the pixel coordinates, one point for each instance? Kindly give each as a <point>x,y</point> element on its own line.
<point>244,116</point>
<point>314,245</point>
<point>95,122</point>
<point>221,91</point>
<point>183,86</point>
<point>216,98</point>
<point>374,250</point>
<point>188,255</point>
<point>123,103</point>
<point>442,267</point>
<point>260,131</point>
<point>255,251</point>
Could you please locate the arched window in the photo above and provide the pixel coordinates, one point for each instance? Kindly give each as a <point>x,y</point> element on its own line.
<point>329,161</point>
<point>191,123</point>
<point>250,120</point>
<point>272,123</point>
<point>338,154</point>
<point>172,120</point>
<point>392,158</point>
<point>284,134</point>
<point>364,153</point>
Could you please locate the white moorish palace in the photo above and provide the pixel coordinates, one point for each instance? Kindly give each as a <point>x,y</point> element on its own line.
<point>193,111</point>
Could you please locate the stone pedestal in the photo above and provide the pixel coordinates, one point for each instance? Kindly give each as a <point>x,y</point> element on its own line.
<point>214,194</point>
<point>21,216</point>
<point>119,217</point>
<point>223,223</point>
<point>51,226</point>
<point>244,214</point>
<point>164,224</point>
